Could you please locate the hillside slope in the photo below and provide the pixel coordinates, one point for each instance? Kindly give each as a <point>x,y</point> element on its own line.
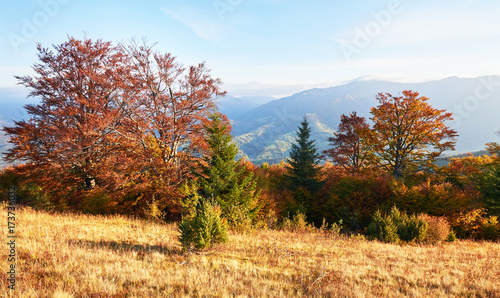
<point>65,255</point>
<point>264,133</point>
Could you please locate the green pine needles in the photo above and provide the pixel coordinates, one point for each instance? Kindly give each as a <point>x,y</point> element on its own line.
<point>302,169</point>
<point>204,229</point>
<point>397,227</point>
<point>224,195</point>
<point>225,180</point>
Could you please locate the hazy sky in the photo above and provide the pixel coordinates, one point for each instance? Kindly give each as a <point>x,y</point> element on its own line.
<point>273,47</point>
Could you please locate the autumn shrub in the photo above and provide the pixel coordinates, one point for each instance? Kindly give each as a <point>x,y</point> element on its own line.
<point>452,237</point>
<point>465,170</point>
<point>298,223</point>
<point>353,198</point>
<point>240,219</point>
<point>267,219</point>
<point>27,193</point>
<point>476,224</point>
<point>490,229</point>
<point>204,229</point>
<point>153,211</point>
<point>271,182</point>
<point>413,229</point>
<point>433,197</point>
<point>397,227</point>
<point>468,224</point>
<point>98,201</point>
<point>438,228</point>
<point>336,228</point>
<point>383,228</point>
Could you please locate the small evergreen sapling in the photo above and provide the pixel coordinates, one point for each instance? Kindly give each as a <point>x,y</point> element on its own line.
<point>204,229</point>
<point>397,227</point>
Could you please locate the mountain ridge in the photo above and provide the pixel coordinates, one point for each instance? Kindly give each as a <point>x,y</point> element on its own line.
<point>265,132</point>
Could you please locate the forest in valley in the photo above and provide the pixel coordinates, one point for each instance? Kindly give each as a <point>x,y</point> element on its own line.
<point>124,129</point>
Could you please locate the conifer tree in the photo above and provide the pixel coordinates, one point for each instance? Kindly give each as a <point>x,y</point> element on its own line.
<point>204,228</point>
<point>302,169</point>
<point>225,181</point>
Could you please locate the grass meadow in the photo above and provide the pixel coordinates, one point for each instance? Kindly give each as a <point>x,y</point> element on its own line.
<point>68,255</point>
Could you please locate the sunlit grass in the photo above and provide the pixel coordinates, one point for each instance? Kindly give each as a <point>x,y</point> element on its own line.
<point>65,255</point>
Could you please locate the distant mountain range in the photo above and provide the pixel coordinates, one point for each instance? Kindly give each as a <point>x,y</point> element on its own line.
<point>264,127</point>
<point>12,101</point>
<point>236,107</point>
<point>265,133</point>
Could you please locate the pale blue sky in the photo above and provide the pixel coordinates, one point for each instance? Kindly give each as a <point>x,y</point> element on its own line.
<point>273,47</point>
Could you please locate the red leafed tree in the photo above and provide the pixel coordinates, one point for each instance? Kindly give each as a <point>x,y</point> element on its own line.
<point>350,145</point>
<point>71,133</point>
<point>410,133</point>
<point>114,122</point>
<point>167,119</point>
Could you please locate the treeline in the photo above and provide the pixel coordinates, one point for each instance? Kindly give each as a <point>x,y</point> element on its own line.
<point>125,129</point>
<point>365,177</point>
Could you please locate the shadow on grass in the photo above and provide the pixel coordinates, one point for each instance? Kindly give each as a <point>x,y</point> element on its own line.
<point>120,246</point>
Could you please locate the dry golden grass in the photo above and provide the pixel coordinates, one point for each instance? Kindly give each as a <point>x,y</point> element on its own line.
<point>62,255</point>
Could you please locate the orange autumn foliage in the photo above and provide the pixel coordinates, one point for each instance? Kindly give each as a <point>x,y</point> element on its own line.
<point>410,133</point>
<point>122,126</point>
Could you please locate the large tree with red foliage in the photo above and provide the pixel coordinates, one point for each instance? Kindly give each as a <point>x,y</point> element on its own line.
<point>71,134</point>
<point>114,119</point>
<point>350,145</point>
<point>167,119</point>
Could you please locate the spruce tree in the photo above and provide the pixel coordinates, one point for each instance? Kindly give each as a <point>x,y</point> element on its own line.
<point>231,186</point>
<point>303,160</point>
<point>203,229</point>
<point>302,172</point>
